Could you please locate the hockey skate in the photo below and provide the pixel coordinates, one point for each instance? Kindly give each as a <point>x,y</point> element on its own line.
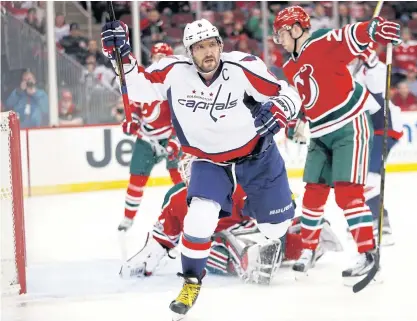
<point>307,259</point>
<point>125,224</point>
<point>387,237</point>
<point>146,261</point>
<point>263,260</point>
<point>364,263</point>
<point>187,297</point>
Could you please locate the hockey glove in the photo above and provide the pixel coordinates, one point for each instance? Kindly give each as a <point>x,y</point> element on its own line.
<point>295,131</point>
<point>131,128</point>
<point>115,36</point>
<point>270,118</point>
<point>384,32</point>
<point>173,148</point>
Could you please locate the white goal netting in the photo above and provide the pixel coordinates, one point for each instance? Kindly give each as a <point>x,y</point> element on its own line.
<point>9,273</point>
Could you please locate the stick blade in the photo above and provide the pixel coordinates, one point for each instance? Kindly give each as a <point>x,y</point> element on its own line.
<point>368,278</point>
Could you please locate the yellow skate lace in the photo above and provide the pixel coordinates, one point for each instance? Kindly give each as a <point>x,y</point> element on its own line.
<point>188,294</point>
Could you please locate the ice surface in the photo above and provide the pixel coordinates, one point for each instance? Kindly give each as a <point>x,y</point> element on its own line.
<point>74,260</point>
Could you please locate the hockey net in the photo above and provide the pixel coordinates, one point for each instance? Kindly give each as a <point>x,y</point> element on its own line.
<point>13,275</point>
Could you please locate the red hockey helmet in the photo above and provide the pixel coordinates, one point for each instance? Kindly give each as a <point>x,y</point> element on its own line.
<point>287,17</point>
<point>162,48</point>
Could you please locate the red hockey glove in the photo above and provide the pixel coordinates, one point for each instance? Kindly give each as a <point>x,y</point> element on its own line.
<point>384,32</point>
<point>131,128</point>
<point>173,148</point>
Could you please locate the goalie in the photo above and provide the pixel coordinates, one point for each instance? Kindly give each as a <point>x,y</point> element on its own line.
<point>237,247</point>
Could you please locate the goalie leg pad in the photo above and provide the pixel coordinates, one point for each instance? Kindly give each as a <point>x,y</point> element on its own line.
<point>218,261</point>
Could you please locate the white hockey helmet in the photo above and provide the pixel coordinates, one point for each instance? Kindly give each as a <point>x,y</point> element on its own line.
<point>197,31</point>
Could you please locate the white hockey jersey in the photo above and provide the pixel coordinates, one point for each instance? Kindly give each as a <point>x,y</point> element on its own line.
<point>209,117</point>
<point>374,80</point>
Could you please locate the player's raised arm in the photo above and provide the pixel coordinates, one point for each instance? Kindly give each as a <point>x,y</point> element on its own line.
<point>142,86</point>
<point>341,45</point>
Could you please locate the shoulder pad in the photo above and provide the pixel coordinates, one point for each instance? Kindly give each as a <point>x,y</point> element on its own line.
<point>167,61</point>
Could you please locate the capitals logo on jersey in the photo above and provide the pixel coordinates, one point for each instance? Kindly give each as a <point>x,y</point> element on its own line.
<point>307,86</point>
<point>210,103</point>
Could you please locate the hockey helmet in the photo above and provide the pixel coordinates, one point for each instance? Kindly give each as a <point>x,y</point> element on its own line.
<point>287,17</point>
<point>197,31</point>
<point>162,48</point>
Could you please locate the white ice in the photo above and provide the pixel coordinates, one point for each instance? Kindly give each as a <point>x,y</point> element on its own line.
<point>73,260</point>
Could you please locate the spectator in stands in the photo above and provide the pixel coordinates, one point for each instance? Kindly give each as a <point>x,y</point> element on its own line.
<point>93,49</point>
<point>404,55</point>
<point>151,27</point>
<point>118,112</point>
<point>75,44</point>
<point>344,15</point>
<point>275,56</point>
<point>62,28</point>
<point>412,79</point>
<point>68,113</point>
<point>97,75</point>
<point>173,7</point>
<point>30,102</point>
<point>32,20</point>
<point>404,99</point>
<point>243,45</point>
<point>319,20</point>
<point>226,28</point>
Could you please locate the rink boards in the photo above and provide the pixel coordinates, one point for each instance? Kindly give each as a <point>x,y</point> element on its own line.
<point>77,159</point>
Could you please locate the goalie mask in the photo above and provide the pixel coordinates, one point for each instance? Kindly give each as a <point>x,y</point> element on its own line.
<point>185,167</point>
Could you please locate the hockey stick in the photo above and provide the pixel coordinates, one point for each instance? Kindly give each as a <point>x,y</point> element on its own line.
<point>377,11</point>
<point>123,247</point>
<point>121,74</point>
<point>370,276</point>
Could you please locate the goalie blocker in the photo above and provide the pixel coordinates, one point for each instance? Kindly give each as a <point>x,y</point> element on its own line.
<point>237,247</point>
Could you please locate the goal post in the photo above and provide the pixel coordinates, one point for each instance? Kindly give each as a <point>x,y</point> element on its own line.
<point>13,249</point>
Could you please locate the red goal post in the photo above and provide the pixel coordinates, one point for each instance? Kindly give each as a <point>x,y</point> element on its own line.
<point>13,250</point>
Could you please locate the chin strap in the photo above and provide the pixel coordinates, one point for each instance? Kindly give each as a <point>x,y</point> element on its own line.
<point>294,52</point>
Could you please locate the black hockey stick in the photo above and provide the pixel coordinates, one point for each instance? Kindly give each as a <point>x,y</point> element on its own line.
<point>370,276</point>
<point>123,87</point>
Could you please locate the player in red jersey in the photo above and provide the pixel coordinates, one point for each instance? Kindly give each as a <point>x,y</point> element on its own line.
<point>341,132</point>
<point>237,248</point>
<point>155,141</point>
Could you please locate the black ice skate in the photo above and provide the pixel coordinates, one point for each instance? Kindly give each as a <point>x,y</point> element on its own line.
<point>187,297</point>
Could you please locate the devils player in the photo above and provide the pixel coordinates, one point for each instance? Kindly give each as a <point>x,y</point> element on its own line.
<point>341,132</point>
<point>372,76</point>
<point>155,142</point>
<point>234,250</point>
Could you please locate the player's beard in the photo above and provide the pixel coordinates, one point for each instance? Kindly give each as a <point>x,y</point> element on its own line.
<point>206,68</point>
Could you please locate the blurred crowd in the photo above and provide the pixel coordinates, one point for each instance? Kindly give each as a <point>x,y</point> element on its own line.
<point>239,23</point>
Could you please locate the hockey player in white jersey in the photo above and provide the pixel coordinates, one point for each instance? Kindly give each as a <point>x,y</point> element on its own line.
<point>372,75</point>
<point>225,108</point>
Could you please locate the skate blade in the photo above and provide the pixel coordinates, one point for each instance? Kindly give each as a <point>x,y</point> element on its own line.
<point>351,281</point>
<point>177,317</point>
<point>300,275</point>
